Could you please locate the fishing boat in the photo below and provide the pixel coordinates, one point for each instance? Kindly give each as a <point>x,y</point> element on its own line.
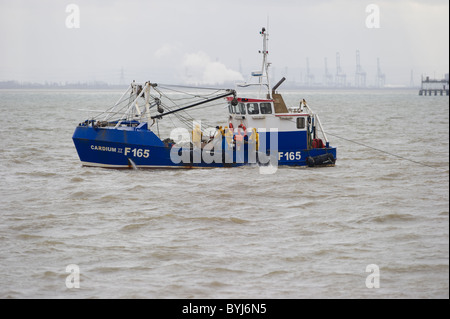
<point>258,130</point>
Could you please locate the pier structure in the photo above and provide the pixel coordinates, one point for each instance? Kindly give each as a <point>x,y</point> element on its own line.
<point>434,86</point>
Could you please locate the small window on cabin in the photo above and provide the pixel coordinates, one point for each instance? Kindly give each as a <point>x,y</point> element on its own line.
<point>266,108</point>
<point>252,108</point>
<point>301,122</point>
<point>230,108</point>
<point>236,109</point>
<point>242,108</point>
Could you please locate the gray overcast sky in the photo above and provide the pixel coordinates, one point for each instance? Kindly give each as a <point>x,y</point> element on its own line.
<point>174,41</point>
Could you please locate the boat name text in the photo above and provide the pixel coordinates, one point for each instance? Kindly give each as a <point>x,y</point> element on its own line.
<point>106,149</point>
<point>135,152</point>
<point>290,156</point>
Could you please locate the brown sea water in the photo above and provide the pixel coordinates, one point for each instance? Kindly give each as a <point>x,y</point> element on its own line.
<point>229,233</point>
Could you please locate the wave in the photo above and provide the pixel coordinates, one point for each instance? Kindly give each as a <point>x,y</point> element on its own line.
<point>386,218</point>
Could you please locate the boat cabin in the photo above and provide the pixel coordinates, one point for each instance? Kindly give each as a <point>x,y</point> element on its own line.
<point>298,126</point>
<point>259,113</point>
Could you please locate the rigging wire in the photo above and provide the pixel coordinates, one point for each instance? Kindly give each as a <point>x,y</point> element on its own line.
<point>376,149</point>
<point>125,110</point>
<point>191,87</point>
<point>383,151</point>
<point>193,96</point>
<point>184,116</point>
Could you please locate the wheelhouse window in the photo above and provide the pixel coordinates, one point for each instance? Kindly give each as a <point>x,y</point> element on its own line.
<point>252,108</point>
<point>266,108</point>
<point>230,108</point>
<point>242,108</point>
<point>301,122</point>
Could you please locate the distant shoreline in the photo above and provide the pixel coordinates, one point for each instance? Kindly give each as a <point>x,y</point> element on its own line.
<point>15,85</point>
<point>79,85</point>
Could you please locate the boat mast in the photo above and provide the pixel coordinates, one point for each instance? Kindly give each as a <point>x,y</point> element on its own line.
<point>265,64</point>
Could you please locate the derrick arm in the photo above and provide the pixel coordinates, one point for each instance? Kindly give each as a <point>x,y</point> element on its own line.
<point>228,93</point>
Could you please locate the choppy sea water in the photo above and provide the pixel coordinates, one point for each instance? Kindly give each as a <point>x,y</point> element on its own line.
<point>229,233</point>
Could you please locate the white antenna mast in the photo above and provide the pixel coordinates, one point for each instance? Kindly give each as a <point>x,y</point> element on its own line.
<point>265,64</point>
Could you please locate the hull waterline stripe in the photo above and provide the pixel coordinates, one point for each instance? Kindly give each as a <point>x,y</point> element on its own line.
<point>90,164</point>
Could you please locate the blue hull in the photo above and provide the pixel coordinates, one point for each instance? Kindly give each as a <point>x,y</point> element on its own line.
<point>126,147</point>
